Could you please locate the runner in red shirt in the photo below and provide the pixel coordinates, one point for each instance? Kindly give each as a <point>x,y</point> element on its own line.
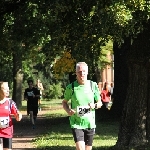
<point>7,108</point>
<point>106,95</point>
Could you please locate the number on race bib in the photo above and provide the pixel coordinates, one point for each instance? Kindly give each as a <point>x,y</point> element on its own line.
<point>83,111</point>
<point>4,122</point>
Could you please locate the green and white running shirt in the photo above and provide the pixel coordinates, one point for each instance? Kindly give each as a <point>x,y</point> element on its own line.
<point>80,97</point>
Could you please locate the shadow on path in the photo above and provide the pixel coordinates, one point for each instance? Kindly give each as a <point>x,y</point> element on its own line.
<point>24,134</point>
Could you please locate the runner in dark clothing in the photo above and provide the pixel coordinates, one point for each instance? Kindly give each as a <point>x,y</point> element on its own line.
<point>32,95</point>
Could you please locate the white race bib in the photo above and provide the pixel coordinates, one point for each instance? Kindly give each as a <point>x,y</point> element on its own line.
<point>83,111</point>
<point>4,122</point>
<point>30,93</point>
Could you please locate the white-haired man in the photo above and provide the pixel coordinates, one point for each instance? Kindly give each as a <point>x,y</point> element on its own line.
<point>82,94</point>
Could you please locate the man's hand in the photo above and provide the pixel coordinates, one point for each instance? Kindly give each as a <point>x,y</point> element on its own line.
<point>99,104</point>
<point>96,105</point>
<point>92,105</point>
<point>70,112</point>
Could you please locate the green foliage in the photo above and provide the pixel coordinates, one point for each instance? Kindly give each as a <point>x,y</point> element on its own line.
<point>5,66</point>
<point>106,50</point>
<point>55,91</point>
<point>121,13</point>
<point>41,30</point>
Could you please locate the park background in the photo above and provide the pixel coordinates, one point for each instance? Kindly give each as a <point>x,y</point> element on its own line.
<point>44,39</point>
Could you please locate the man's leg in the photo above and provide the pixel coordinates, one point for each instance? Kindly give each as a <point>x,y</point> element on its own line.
<point>39,104</point>
<point>80,145</point>
<point>31,117</point>
<point>78,135</point>
<point>88,137</point>
<point>34,117</point>
<point>35,112</point>
<point>88,147</point>
<point>7,143</point>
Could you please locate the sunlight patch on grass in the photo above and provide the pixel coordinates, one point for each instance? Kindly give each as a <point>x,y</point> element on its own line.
<point>45,104</point>
<point>61,136</point>
<point>54,139</point>
<point>104,143</point>
<point>56,113</point>
<point>67,140</point>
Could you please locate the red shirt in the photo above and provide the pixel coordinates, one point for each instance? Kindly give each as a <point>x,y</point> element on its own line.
<point>105,96</point>
<point>7,108</point>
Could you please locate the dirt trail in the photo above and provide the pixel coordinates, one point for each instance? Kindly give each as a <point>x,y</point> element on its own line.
<point>24,134</point>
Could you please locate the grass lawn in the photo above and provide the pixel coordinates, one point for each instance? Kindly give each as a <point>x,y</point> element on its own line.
<point>60,137</point>
<point>45,104</point>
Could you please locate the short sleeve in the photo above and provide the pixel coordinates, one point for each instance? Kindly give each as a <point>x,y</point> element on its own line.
<point>13,107</point>
<point>96,92</point>
<point>68,92</point>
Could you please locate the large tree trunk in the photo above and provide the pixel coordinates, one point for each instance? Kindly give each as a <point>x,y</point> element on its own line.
<point>17,78</point>
<point>134,128</point>
<point>120,81</point>
<point>120,77</point>
<point>17,59</point>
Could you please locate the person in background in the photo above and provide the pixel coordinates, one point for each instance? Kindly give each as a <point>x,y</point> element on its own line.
<point>82,111</point>
<point>32,95</point>
<point>106,95</point>
<point>111,91</point>
<point>7,108</point>
<point>39,85</point>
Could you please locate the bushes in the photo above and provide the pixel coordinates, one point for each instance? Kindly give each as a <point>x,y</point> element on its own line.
<point>54,91</point>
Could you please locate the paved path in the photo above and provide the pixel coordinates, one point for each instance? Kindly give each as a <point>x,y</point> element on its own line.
<point>24,134</point>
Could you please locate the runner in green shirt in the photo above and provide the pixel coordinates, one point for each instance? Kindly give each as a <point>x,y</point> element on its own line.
<point>82,111</point>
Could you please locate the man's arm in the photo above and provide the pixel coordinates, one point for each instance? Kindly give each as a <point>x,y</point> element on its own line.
<point>66,108</point>
<point>96,105</point>
<point>36,93</point>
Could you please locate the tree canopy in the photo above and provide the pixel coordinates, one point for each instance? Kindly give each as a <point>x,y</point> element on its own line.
<point>82,27</point>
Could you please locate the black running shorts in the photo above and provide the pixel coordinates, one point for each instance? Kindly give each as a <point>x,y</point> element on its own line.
<point>85,135</point>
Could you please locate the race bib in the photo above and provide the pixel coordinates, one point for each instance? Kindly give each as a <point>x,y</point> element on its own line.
<point>4,122</point>
<point>83,111</point>
<point>30,93</point>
